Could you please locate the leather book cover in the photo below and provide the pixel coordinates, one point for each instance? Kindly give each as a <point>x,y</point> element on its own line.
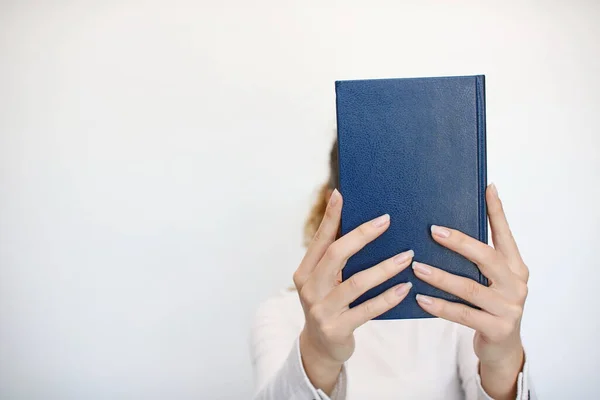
<point>413,148</point>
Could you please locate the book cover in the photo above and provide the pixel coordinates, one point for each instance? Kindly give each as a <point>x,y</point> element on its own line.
<point>413,148</point>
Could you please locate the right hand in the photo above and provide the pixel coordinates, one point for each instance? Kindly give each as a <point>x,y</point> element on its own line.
<point>327,339</point>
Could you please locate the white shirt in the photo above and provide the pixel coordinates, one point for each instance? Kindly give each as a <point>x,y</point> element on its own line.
<point>397,359</point>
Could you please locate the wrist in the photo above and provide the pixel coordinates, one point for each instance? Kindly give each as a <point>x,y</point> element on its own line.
<point>322,370</point>
<point>512,359</point>
<point>499,377</point>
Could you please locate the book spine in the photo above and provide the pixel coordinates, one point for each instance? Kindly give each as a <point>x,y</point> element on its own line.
<point>481,161</point>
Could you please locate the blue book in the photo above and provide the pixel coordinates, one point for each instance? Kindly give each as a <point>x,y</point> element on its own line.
<point>415,149</point>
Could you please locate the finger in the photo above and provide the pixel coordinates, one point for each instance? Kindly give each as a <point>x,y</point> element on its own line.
<point>462,314</point>
<point>345,247</point>
<point>501,234</point>
<point>467,289</point>
<point>323,238</point>
<point>480,253</point>
<point>355,317</point>
<point>359,283</point>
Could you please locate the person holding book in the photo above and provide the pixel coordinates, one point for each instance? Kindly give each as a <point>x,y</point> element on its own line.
<point>307,343</point>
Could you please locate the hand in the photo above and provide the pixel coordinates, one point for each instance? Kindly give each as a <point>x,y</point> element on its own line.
<point>327,339</point>
<point>497,340</point>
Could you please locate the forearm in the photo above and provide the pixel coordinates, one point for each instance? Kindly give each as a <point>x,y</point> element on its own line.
<point>323,374</point>
<point>499,380</point>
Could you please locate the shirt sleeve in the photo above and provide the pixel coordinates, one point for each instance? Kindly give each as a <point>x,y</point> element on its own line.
<point>469,374</point>
<point>277,362</point>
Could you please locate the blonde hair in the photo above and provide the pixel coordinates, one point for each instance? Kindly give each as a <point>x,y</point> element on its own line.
<point>316,214</point>
<point>318,209</point>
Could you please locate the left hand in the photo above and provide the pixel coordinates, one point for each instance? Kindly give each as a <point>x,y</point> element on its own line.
<point>497,324</point>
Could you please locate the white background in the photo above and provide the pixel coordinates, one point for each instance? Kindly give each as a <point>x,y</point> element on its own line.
<point>157,161</point>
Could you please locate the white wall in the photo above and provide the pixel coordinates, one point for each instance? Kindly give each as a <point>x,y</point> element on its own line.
<point>157,161</point>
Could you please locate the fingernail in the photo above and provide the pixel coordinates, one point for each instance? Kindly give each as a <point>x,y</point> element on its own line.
<point>335,196</point>
<point>422,268</point>
<point>381,221</point>
<point>403,257</point>
<point>424,299</point>
<point>494,190</point>
<point>402,289</point>
<point>439,231</point>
